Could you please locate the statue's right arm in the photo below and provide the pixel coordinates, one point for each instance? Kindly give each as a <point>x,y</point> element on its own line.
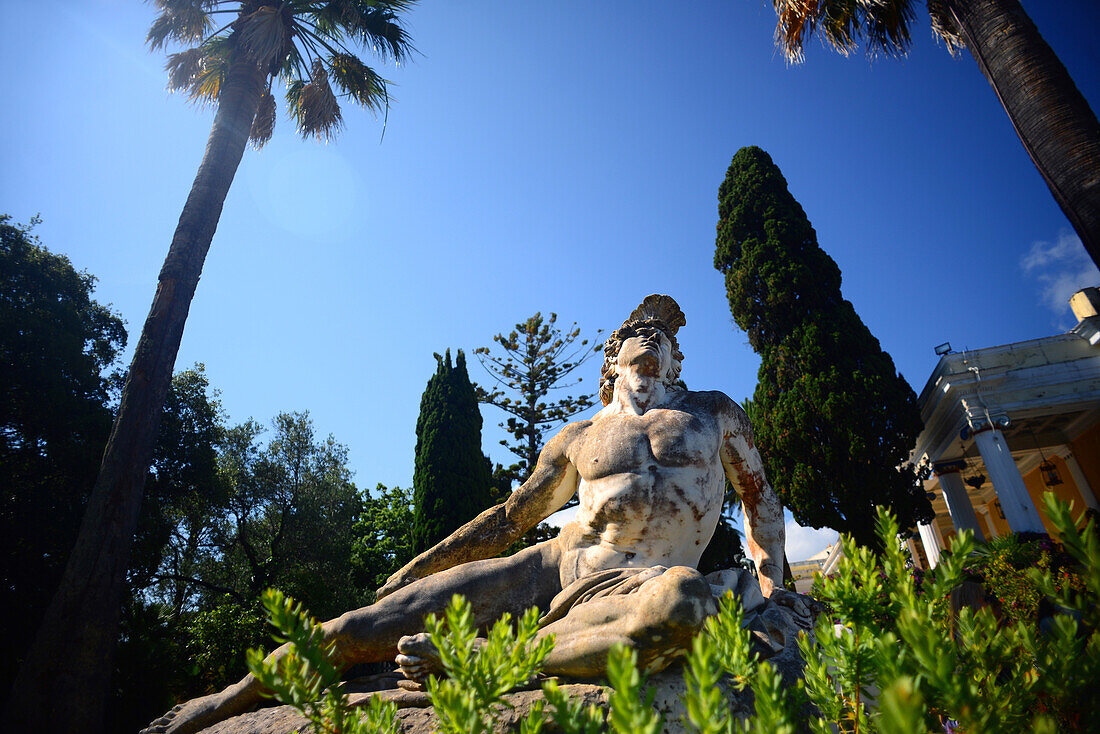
<point>549,487</point>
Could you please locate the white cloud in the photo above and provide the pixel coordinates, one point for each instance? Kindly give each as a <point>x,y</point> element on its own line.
<point>1061,268</point>
<point>805,542</point>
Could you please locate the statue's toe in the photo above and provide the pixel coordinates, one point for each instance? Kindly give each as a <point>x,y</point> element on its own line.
<point>160,725</point>
<point>418,657</point>
<point>419,645</point>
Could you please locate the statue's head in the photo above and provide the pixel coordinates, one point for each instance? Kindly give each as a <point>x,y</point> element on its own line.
<point>656,313</point>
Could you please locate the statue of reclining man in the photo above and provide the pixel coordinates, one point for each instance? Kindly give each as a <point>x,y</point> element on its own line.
<point>649,469</point>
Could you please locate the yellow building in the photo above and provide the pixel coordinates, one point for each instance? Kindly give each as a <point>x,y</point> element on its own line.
<point>803,571</point>
<point>1003,425</point>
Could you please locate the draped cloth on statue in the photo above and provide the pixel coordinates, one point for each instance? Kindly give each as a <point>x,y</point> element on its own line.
<point>774,627</point>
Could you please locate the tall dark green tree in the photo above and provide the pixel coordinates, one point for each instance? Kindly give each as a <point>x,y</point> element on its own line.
<point>58,347</point>
<point>452,480</point>
<point>832,417</point>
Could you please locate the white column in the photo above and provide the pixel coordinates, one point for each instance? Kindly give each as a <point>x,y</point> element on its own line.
<point>991,527</point>
<point>1078,477</point>
<point>958,503</point>
<point>1008,483</point>
<point>931,544</point>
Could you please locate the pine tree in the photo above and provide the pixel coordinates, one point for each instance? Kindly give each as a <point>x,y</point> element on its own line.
<point>537,358</point>
<point>452,480</point>
<point>833,418</point>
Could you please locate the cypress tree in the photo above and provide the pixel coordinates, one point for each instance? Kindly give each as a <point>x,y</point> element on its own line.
<point>452,480</point>
<point>833,419</point>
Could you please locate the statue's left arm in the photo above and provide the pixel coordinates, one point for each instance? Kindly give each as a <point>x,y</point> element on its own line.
<point>765,534</point>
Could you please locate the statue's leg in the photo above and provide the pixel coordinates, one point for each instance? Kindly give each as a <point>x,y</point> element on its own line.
<point>494,586</point>
<point>370,634</point>
<point>658,620</point>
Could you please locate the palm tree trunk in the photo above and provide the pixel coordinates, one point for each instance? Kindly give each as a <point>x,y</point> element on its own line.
<point>64,683</point>
<point>1052,118</point>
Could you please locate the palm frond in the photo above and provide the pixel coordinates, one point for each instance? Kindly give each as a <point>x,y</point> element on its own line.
<point>839,24</point>
<point>945,26</point>
<point>358,81</point>
<point>884,26</point>
<point>199,71</point>
<point>184,21</point>
<point>797,20</point>
<point>881,25</point>
<point>317,112</point>
<point>263,34</point>
<point>263,125</point>
<point>183,68</point>
<point>292,66</point>
<point>375,25</point>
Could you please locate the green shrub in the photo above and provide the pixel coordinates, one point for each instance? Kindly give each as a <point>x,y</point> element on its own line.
<point>890,665</point>
<point>1004,567</point>
<point>469,699</point>
<point>307,678</point>
<point>215,638</point>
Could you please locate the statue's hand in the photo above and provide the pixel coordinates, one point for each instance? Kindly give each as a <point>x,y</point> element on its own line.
<point>393,583</point>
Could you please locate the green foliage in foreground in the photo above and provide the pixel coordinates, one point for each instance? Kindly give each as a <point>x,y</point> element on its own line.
<point>469,699</point>
<point>307,678</point>
<point>918,672</point>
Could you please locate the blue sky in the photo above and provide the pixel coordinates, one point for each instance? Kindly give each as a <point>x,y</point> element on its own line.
<point>538,157</point>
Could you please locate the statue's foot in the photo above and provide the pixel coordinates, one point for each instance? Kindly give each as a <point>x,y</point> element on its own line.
<point>191,716</point>
<point>804,609</point>
<point>418,658</point>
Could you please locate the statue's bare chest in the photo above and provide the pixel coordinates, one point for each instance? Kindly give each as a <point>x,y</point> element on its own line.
<point>660,438</point>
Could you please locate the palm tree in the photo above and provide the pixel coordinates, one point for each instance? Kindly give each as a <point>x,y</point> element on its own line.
<point>1056,125</point>
<point>307,45</point>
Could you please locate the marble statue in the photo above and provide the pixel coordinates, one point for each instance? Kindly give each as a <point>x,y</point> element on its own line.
<point>649,470</point>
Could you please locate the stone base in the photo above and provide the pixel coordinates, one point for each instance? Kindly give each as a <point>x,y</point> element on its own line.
<point>417,717</point>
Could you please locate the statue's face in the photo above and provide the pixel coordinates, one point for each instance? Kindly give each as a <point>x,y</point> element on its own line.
<point>649,354</point>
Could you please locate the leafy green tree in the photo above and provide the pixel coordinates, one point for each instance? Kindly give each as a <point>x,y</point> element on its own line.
<point>383,535</point>
<point>536,357</point>
<point>157,660</point>
<point>451,483</point>
<point>832,417</point>
<point>1052,118</point>
<point>236,49</point>
<point>57,347</point>
<point>289,518</point>
<point>183,493</point>
<point>231,514</point>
